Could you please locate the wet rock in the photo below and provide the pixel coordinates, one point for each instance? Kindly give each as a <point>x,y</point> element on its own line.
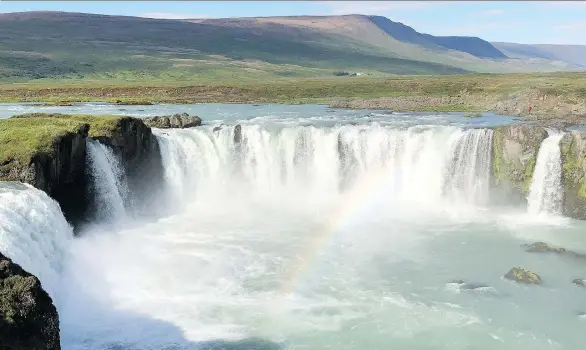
<point>28,318</point>
<point>573,151</point>
<point>179,121</point>
<point>515,149</point>
<point>541,247</point>
<point>60,172</point>
<point>521,275</point>
<point>467,285</point>
<point>579,282</point>
<point>473,286</point>
<point>237,134</point>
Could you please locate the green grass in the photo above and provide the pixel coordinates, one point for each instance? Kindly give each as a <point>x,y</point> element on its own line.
<point>24,136</point>
<point>551,94</point>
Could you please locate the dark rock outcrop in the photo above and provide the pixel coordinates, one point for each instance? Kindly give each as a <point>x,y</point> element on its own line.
<point>138,149</point>
<point>541,247</point>
<point>238,134</point>
<point>63,173</point>
<point>60,173</point>
<point>28,318</point>
<point>573,149</point>
<point>521,275</point>
<point>180,121</point>
<point>468,285</point>
<point>515,149</point>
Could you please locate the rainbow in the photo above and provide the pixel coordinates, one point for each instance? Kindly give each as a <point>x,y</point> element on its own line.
<point>363,189</point>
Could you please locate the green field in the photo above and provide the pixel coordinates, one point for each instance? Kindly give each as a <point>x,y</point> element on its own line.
<point>550,95</point>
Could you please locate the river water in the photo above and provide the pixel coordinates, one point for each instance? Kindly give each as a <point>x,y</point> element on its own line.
<point>321,229</point>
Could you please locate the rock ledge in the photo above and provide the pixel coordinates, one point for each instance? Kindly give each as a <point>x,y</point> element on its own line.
<point>179,121</point>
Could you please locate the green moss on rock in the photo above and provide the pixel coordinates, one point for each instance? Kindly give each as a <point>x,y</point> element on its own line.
<point>521,275</point>
<point>515,149</point>
<point>24,136</point>
<point>28,318</point>
<point>573,152</point>
<point>541,247</point>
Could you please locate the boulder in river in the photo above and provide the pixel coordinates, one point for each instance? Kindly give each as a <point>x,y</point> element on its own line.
<point>179,121</point>
<point>579,282</point>
<point>28,318</point>
<point>521,275</point>
<point>541,247</point>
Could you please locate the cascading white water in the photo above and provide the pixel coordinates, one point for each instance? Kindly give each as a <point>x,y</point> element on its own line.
<point>316,238</point>
<point>546,192</point>
<point>303,237</point>
<point>468,175</point>
<point>108,182</point>
<point>420,163</point>
<point>34,233</point>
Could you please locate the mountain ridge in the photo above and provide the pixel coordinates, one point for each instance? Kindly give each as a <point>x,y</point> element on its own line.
<point>67,45</point>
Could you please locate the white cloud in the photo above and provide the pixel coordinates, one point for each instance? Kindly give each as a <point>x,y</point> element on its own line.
<point>376,7</point>
<point>168,15</point>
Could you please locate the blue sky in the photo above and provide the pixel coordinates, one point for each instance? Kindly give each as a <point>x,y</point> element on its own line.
<point>540,22</point>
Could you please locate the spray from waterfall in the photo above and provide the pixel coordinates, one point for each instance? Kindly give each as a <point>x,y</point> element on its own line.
<point>546,193</point>
<point>34,233</point>
<point>108,182</point>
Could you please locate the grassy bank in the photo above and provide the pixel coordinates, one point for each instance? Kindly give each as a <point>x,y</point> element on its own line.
<point>550,95</point>
<point>26,135</point>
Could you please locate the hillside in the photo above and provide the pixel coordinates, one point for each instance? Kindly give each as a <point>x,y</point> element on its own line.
<point>573,54</point>
<point>472,45</point>
<point>398,40</point>
<point>58,45</point>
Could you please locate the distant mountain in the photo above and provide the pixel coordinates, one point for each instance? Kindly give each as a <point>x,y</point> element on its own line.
<point>573,54</point>
<point>472,45</point>
<point>60,45</point>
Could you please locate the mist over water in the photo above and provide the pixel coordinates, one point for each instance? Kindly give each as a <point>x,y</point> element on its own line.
<point>333,233</point>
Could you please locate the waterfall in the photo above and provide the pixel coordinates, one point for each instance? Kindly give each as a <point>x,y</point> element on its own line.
<point>420,163</point>
<point>468,174</point>
<point>34,233</point>
<point>109,184</point>
<point>546,193</point>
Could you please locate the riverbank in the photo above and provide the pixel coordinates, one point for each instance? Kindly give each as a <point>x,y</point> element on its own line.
<point>551,96</point>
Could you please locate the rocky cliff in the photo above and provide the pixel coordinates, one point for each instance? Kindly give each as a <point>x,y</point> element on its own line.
<point>180,121</point>
<point>515,149</point>
<point>573,149</point>
<point>28,318</point>
<point>60,168</point>
<point>137,147</point>
<point>59,172</point>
